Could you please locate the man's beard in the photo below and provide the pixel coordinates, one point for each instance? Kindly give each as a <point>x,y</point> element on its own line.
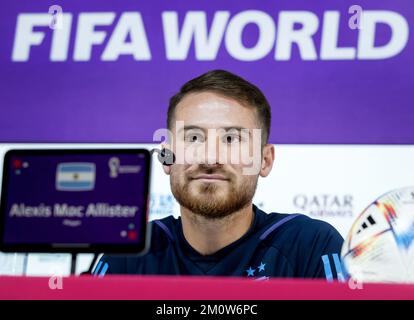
<point>208,201</point>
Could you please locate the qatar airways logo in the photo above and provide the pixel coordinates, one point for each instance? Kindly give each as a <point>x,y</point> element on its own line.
<point>325,204</point>
<point>106,36</point>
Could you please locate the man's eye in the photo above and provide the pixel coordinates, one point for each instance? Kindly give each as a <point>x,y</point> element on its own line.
<point>194,138</point>
<point>231,138</point>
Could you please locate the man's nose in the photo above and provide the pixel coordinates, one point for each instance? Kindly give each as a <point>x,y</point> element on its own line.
<point>213,151</point>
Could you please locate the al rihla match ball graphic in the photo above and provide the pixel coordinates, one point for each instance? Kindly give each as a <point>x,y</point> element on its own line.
<point>380,245</point>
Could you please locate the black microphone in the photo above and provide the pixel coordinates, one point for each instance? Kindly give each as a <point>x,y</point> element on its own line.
<point>165,156</point>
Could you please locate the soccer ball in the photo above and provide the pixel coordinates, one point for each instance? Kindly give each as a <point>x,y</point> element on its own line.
<point>380,245</point>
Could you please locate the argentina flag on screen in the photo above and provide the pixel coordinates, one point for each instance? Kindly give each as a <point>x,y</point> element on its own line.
<point>77,176</point>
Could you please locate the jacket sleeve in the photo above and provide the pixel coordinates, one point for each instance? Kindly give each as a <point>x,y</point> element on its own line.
<point>110,265</point>
<point>323,259</point>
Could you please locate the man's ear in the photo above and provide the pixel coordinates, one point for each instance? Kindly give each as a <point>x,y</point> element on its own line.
<point>167,169</point>
<point>268,159</point>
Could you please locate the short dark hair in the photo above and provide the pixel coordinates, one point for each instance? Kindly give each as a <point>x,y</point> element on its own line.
<point>228,85</point>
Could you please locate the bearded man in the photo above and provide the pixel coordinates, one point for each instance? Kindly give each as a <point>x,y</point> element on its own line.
<point>220,232</point>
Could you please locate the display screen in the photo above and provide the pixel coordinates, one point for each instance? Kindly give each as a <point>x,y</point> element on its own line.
<point>75,200</point>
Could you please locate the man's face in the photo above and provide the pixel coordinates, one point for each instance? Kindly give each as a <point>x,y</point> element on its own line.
<point>213,131</point>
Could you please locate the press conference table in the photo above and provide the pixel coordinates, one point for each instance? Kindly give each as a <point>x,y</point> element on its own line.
<point>192,288</point>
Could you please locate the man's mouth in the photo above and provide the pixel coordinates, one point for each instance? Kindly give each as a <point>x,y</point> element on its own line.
<point>210,177</point>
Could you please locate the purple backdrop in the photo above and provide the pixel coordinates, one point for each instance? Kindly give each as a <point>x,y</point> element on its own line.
<point>313,101</point>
